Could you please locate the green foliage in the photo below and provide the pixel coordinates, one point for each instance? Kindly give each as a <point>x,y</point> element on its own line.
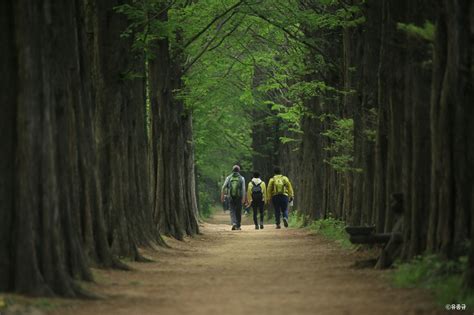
<point>341,145</point>
<point>425,32</point>
<point>443,277</point>
<point>242,59</point>
<point>220,88</point>
<point>296,219</point>
<point>349,16</point>
<point>205,204</point>
<point>45,304</point>
<point>27,305</point>
<point>310,89</point>
<point>145,27</point>
<point>371,122</point>
<point>341,135</point>
<point>254,59</point>
<point>332,229</point>
<point>370,134</point>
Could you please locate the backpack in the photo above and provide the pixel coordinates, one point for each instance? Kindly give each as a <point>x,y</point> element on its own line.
<point>235,186</point>
<point>257,194</point>
<point>279,184</point>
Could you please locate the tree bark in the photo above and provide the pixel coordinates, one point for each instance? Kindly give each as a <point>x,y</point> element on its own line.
<point>450,113</point>
<point>47,252</point>
<point>8,81</point>
<point>62,75</point>
<point>175,207</point>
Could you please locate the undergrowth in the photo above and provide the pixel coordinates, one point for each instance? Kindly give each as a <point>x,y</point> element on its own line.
<point>442,277</point>
<point>295,219</point>
<point>23,304</point>
<point>206,207</point>
<point>330,228</point>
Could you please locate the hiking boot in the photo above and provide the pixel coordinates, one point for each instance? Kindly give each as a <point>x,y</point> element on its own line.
<point>256,227</point>
<point>238,228</point>
<point>234,227</point>
<point>261,226</point>
<point>285,222</point>
<point>278,226</point>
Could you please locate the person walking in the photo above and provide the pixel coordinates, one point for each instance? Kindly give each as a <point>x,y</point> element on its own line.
<point>256,197</point>
<point>234,188</point>
<point>280,192</point>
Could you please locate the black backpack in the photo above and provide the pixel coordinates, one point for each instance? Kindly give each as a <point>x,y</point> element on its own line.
<point>257,194</point>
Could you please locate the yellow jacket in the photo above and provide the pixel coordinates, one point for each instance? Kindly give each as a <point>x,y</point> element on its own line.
<point>287,191</point>
<point>262,185</point>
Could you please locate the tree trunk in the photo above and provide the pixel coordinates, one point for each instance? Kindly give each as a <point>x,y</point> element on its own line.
<point>8,79</point>
<point>450,120</point>
<point>175,208</point>
<point>46,251</point>
<point>63,78</point>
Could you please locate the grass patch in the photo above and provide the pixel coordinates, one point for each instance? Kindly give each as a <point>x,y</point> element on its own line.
<point>24,303</point>
<point>44,304</point>
<point>296,219</point>
<point>208,212</point>
<point>206,205</point>
<point>332,229</point>
<point>442,277</point>
<point>98,275</point>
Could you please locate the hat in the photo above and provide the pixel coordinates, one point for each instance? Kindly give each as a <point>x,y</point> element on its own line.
<point>236,168</point>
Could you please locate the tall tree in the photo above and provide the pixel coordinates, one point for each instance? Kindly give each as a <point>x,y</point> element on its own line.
<point>59,216</point>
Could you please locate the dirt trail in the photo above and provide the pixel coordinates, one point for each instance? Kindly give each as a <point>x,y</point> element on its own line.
<point>269,271</point>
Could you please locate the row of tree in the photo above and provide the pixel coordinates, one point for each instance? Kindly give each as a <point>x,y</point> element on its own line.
<point>366,105</point>
<point>396,126</point>
<point>89,173</point>
<point>105,102</point>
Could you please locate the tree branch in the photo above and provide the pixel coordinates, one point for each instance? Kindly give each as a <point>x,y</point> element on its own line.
<point>199,55</point>
<point>227,35</point>
<point>192,39</point>
<point>293,36</point>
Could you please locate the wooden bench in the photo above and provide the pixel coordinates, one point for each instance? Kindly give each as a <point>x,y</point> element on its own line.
<point>392,242</point>
<point>367,235</point>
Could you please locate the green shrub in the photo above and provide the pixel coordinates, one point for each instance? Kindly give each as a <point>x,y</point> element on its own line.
<point>205,204</point>
<point>332,229</point>
<point>443,277</point>
<point>296,219</point>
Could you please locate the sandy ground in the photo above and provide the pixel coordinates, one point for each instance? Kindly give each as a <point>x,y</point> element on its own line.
<point>287,271</point>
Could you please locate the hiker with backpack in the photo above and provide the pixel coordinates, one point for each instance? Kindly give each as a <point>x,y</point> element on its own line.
<point>256,196</point>
<point>280,192</point>
<point>234,188</point>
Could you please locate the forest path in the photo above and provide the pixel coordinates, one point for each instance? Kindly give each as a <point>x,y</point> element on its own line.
<point>287,271</point>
